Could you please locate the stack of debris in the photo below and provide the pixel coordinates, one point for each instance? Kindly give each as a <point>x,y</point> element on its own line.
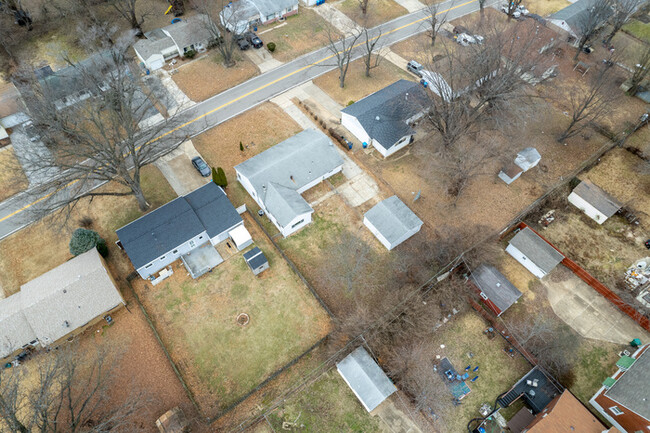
<point>638,275</point>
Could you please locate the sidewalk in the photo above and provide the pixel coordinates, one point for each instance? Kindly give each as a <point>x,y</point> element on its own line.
<point>338,19</point>
<point>410,5</point>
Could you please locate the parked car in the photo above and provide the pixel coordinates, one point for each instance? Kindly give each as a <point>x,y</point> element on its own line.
<point>201,166</point>
<point>254,40</point>
<point>243,43</point>
<point>414,67</point>
<point>515,14</point>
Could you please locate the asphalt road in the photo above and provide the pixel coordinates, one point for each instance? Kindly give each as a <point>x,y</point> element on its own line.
<point>16,212</point>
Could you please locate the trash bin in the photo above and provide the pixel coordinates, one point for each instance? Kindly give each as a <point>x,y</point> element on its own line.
<point>635,343</point>
<point>364,144</point>
<point>349,145</point>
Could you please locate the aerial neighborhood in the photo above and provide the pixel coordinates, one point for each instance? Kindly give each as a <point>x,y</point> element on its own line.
<point>325,216</point>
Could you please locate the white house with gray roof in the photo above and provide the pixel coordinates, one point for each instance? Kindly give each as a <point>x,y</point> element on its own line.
<point>277,177</point>
<point>62,302</point>
<point>534,253</point>
<point>569,18</point>
<point>161,45</point>
<point>385,118</point>
<point>365,378</point>
<point>392,222</point>
<point>593,201</point>
<point>178,228</point>
<point>238,16</point>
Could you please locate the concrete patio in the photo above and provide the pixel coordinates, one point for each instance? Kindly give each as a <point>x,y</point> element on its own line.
<point>201,260</point>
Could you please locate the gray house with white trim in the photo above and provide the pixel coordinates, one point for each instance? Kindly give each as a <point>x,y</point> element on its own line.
<point>534,253</point>
<point>392,222</point>
<point>365,378</point>
<point>276,177</point>
<point>162,236</point>
<point>385,118</point>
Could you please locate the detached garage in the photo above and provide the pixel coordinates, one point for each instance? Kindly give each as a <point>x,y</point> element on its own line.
<point>392,222</point>
<point>593,201</point>
<point>534,253</point>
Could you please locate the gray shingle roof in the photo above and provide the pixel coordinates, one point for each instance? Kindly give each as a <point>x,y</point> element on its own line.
<point>292,164</point>
<point>573,12</point>
<point>597,198</point>
<point>495,286</point>
<point>632,389</point>
<point>537,249</point>
<point>284,203</point>
<point>69,296</point>
<point>169,226</point>
<point>392,218</point>
<point>268,7</point>
<point>366,379</point>
<point>393,108</point>
<point>255,258</point>
<point>15,330</point>
<point>148,47</point>
<point>189,31</point>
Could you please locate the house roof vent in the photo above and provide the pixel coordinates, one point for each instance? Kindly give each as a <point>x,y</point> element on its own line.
<point>377,118</point>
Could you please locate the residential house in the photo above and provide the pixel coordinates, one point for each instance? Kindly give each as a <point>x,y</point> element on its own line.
<point>365,378</point>
<point>385,118</point>
<point>569,18</point>
<point>593,201</point>
<point>240,15</point>
<point>564,413</point>
<point>180,228</point>
<point>536,389</point>
<point>624,398</point>
<point>276,177</point>
<point>524,161</point>
<point>160,45</point>
<point>11,104</point>
<point>533,252</point>
<point>392,222</point>
<point>256,260</point>
<point>59,304</point>
<point>494,288</point>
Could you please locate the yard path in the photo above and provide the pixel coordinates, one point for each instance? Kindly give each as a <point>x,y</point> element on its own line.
<point>262,59</point>
<point>236,100</point>
<point>338,19</point>
<point>410,5</point>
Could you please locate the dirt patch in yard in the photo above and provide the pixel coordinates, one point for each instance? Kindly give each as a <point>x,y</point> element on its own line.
<point>20,261</point>
<point>302,33</point>
<point>379,11</point>
<point>197,319</point>
<point>357,85</point>
<point>12,178</point>
<point>207,76</point>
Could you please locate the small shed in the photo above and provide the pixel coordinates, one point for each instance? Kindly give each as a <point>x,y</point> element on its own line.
<point>173,421</point>
<point>528,158</point>
<point>534,253</point>
<point>240,237</point>
<point>593,201</point>
<point>256,260</point>
<point>510,173</point>
<point>392,222</point>
<point>497,292</point>
<point>365,378</point>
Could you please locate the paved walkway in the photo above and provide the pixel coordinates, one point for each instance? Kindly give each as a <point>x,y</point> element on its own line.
<point>410,5</point>
<point>28,153</point>
<point>336,18</point>
<point>394,58</point>
<point>395,420</point>
<point>181,98</point>
<point>178,169</point>
<point>262,59</point>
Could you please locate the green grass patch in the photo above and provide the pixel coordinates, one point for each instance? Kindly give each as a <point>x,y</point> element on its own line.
<point>638,29</point>
<point>595,362</point>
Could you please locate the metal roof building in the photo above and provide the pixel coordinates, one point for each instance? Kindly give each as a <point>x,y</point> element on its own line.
<point>593,201</point>
<point>495,289</point>
<point>392,222</point>
<point>533,252</point>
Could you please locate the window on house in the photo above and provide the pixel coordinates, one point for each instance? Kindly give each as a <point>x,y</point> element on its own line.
<point>615,410</point>
<point>270,17</point>
<point>192,244</point>
<point>148,266</point>
<point>298,223</point>
<point>162,258</point>
<point>200,237</point>
<point>484,296</point>
<point>175,252</point>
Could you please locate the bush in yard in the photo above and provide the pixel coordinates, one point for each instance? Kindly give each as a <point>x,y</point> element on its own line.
<point>271,46</point>
<point>241,146</point>
<point>219,177</point>
<point>189,54</point>
<point>83,240</point>
<point>350,103</point>
<point>215,176</point>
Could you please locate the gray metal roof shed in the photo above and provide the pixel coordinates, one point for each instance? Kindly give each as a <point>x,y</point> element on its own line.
<point>495,286</point>
<point>366,379</point>
<point>393,220</point>
<point>537,249</point>
<point>255,258</point>
<point>596,197</point>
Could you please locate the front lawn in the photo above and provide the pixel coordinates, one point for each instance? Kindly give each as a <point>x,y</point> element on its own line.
<point>379,11</point>
<point>221,360</point>
<point>298,35</point>
<point>12,178</point>
<point>327,405</point>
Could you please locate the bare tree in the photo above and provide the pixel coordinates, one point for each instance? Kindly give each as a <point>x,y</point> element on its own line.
<point>103,128</point>
<point>481,5</point>
<point>590,104</point>
<point>221,20</point>
<point>372,51</point>
<point>128,9</point>
<point>347,266</point>
<point>589,23</point>
<point>433,21</point>
<point>341,46</point>
<point>641,70</point>
<point>512,7</point>
<point>623,10</point>
<point>363,5</point>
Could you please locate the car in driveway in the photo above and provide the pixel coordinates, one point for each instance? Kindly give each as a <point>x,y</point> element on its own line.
<point>201,166</point>
<point>414,67</point>
<point>243,43</point>
<point>254,40</point>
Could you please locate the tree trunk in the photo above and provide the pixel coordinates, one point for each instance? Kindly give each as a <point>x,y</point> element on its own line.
<point>342,79</point>
<point>581,45</point>
<point>139,196</point>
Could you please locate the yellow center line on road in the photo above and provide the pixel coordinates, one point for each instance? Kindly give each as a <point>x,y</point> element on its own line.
<point>214,110</point>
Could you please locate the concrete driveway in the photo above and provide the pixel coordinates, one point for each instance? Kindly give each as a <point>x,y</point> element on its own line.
<point>586,311</point>
<point>178,169</point>
<point>395,420</point>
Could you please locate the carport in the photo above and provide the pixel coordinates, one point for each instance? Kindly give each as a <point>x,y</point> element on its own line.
<point>201,260</point>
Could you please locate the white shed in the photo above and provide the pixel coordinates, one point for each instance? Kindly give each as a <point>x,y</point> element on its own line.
<point>534,253</point>
<point>593,201</point>
<point>392,222</point>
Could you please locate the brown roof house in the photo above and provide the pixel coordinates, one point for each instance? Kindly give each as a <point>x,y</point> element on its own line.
<point>57,305</point>
<point>564,414</point>
<point>624,398</point>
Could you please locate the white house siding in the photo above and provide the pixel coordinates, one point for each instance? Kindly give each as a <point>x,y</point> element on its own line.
<point>248,186</point>
<point>315,182</point>
<point>525,261</point>
<point>401,144</point>
<point>155,62</point>
<point>171,256</point>
<point>377,234</point>
<point>223,235</point>
<point>288,229</point>
<point>352,124</point>
<point>587,208</point>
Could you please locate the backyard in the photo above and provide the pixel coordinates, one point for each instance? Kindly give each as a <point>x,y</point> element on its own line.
<point>12,178</point>
<point>219,359</point>
<point>379,11</point>
<point>638,29</point>
<point>20,261</point>
<point>298,35</point>
<point>206,76</point>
